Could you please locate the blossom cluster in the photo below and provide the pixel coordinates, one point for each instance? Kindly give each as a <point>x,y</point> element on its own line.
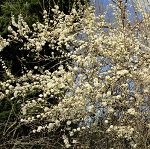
<point>3,43</point>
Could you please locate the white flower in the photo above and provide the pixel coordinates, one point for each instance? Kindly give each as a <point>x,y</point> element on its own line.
<point>75,68</point>
<point>83,128</point>
<point>34,131</point>
<point>107,78</point>
<point>118,96</point>
<point>68,122</point>
<point>22,120</point>
<point>39,128</point>
<point>15,93</point>
<point>56,7</point>
<point>74,11</point>
<point>96,82</point>
<point>24,110</point>
<point>11,87</point>
<point>71,133</point>
<point>132,129</point>
<point>111,127</point>
<point>110,110</point>
<point>38,116</point>
<point>50,85</point>
<point>50,126</point>
<point>78,129</point>
<point>74,141</point>
<point>88,86</point>
<point>35,67</point>
<point>57,122</point>
<point>46,109</point>
<point>74,130</point>
<point>44,12</point>
<point>106,121</point>
<point>64,137</point>
<point>131,111</point>
<point>91,108</point>
<point>122,72</point>
<point>135,145</point>
<point>40,95</point>
<point>7,91</point>
<point>68,145</point>
<point>104,103</point>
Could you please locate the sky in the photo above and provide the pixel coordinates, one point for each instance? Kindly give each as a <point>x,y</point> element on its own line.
<point>145,3</point>
<point>100,6</point>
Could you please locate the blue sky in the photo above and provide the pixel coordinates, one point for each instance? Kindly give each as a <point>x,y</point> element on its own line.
<point>145,3</point>
<point>105,2</point>
<point>100,6</point>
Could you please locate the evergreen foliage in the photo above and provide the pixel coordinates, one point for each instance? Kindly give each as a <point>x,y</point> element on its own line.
<point>31,10</point>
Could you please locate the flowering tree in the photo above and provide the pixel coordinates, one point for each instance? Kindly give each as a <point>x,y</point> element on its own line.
<point>104,89</point>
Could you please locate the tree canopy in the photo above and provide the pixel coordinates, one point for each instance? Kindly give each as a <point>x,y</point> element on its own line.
<point>99,99</point>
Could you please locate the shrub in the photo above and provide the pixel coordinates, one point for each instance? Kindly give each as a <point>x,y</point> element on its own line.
<point>103,91</point>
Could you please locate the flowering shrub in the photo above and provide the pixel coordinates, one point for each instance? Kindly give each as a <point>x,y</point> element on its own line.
<point>107,79</point>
